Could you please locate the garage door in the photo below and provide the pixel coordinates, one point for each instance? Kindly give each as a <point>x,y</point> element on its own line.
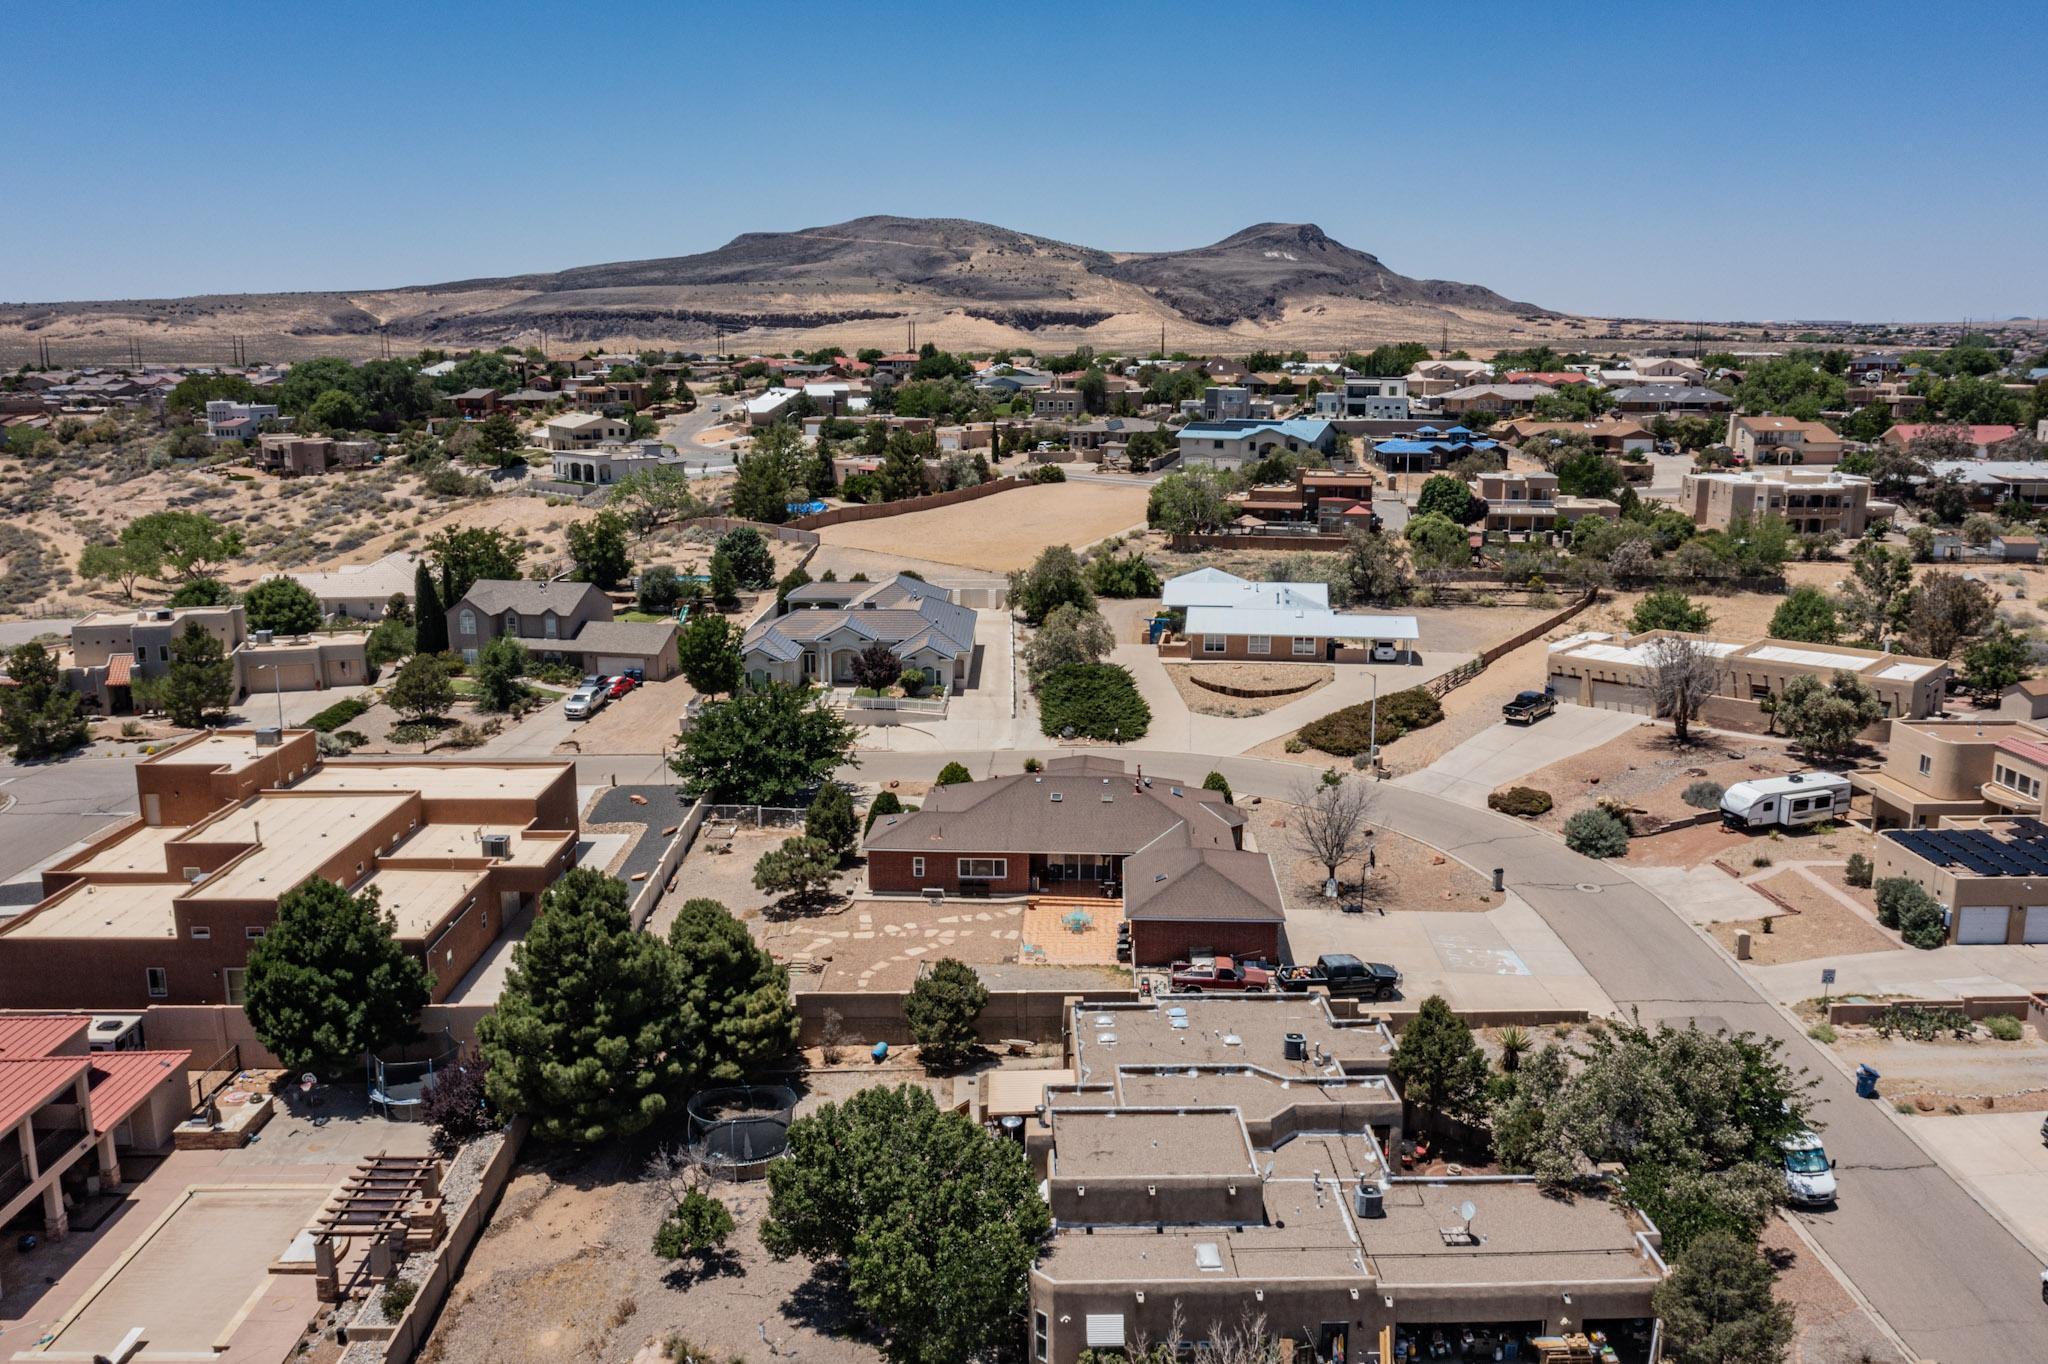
<point>1615,696</point>
<point>614,664</point>
<point>2036,929</point>
<point>1981,924</point>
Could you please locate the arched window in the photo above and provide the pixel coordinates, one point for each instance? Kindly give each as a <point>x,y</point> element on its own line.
<point>468,621</point>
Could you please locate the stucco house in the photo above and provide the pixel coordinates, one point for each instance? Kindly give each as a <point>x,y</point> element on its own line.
<point>824,626</point>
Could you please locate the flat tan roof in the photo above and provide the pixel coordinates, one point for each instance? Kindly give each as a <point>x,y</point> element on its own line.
<point>1525,1236</point>
<point>1221,1030</point>
<point>466,841</point>
<point>437,781</point>
<point>1107,1142</point>
<point>1315,1243</point>
<point>417,899</point>
<point>293,836</point>
<point>234,749</point>
<point>105,909</point>
<point>140,849</point>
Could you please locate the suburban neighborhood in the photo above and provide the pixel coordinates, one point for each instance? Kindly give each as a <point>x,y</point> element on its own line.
<point>911,790</point>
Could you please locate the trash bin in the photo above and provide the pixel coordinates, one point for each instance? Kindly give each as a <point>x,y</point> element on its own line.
<point>1866,1082</point>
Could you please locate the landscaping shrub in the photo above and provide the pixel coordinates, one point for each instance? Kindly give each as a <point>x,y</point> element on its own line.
<point>398,1295</point>
<point>1702,795</point>
<point>2004,1027</point>
<point>339,714</point>
<point>1596,833</point>
<point>1822,1032</point>
<point>1095,701</point>
<point>1859,870</point>
<point>1524,801</point>
<point>1344,732</point>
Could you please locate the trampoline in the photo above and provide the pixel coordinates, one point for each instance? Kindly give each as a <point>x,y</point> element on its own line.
<point>399,1077</point>
<point>736,1130</point>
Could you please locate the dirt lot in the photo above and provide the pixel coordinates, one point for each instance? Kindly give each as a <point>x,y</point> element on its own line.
<point>1404,874</point>
<point>1951,1074</point>
<point>1309,677</point>
<point>1646,771</point>
<point>1827,1324</point>
<point>1005,531</point>
<point>1818,925</point>
<point>879,944</point>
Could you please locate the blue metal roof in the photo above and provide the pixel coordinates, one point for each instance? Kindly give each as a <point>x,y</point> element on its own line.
<point>1301,428</point>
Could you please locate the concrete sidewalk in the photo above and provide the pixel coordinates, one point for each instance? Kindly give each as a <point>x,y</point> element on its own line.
<point>1499,754</point>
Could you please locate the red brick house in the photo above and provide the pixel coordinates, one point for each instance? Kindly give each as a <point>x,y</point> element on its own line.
<point>1172,852</point>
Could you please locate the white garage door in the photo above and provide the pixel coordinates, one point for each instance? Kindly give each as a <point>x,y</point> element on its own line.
<point>2036,929</point>
<point>613,664</point>
<point>1615,696</point>
<point>1981,924</point>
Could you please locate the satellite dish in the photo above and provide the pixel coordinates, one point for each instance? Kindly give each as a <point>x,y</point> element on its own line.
<point>1467,1211</point>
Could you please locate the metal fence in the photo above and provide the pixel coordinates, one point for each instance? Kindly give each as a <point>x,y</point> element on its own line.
<point>756,816</point>
<point>844,699</point>
<point>204,1084</point>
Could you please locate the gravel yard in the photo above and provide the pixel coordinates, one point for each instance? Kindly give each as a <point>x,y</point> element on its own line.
<point>1305,677</point>
<point>1818,925</point>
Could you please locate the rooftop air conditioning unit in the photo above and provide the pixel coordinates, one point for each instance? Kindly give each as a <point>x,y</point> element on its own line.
<point>264,636</point>
<point>497,845</point>
<point>270,736</point>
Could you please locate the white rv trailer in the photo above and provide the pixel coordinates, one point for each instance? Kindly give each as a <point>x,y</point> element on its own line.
<point>1802,798</point>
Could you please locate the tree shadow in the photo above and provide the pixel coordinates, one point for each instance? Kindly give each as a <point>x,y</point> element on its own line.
<point>704,1267</point>
<point>823,1303</point>
<point>809,905</point>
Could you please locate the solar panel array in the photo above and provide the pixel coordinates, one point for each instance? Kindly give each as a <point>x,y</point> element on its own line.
<point>1979,851</point>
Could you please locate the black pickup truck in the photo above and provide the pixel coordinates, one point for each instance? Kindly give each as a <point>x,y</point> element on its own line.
<point>1340,973</point>
<point>1528,707</point>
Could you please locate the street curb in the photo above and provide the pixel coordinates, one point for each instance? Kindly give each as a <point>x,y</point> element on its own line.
<point>1849,1286</point>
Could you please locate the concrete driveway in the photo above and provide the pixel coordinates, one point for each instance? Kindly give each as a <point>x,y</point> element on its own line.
<point>1498,755</point>
<point>980,716</point>
<point>2002,1159</point>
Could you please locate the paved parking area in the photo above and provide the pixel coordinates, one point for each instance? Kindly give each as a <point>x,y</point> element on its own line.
<point>1505,958</point>
<point>2002,1160</point>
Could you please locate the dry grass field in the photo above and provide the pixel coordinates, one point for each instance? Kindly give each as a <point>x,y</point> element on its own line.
<point>1004,531</point>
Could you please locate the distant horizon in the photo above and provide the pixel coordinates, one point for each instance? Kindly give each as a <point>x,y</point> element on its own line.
<point>1823,169</point>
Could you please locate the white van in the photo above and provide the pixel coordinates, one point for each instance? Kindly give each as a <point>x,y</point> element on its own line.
<point>1809,1174</point>
<point>1802,798</point>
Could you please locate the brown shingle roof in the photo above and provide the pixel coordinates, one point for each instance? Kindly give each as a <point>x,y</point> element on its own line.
<point>1217,885</point>
<point>1095,806</point>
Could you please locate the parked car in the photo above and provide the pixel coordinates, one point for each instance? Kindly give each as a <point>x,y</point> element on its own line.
<point>1340,973</point>
<point>595,680</point>
<point>585,702</point>
<point>1809,1174</point>
<point>639,675</point>
<point>620,685</point>
<point>1217,973</point>
<point>1528,707</point>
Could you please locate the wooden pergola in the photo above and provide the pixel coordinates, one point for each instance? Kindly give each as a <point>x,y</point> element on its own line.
<point>392,1202</point>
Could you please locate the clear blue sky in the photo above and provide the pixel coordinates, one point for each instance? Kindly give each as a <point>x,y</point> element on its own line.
<point>1872,161</point>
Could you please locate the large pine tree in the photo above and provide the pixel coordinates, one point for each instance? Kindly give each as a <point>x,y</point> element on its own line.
<point>39,716</point>
<point>429,612</point>
<point>735,997</point>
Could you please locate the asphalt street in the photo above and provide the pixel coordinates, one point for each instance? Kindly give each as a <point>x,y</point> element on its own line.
<point>1941,1271</point>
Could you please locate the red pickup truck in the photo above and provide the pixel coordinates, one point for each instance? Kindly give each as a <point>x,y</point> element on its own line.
<point>1218,973</point>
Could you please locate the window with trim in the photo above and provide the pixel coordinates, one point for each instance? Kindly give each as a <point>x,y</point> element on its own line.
<point>252,932</point>
<point>917,868</point>
<point>1258,644</point>
<point>1926,764</point>
<point>157,980</point>
<point>984,868</point>
<point>1215,644</point>
<point>201,933</point>
<point>467,620</point>
<point>235,981</point>
<point>1304,648</point>
<point>1041,1329</point>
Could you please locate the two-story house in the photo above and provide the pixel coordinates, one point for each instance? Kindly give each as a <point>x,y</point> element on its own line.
<point>560,620</point>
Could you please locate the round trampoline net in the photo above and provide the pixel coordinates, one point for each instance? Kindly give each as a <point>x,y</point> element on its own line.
<point>740,1124</point>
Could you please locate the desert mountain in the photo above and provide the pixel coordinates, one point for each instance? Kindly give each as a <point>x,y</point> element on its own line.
<point>855,283</point>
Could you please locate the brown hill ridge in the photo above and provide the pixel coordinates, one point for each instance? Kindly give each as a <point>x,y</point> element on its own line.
<point>856,283</point>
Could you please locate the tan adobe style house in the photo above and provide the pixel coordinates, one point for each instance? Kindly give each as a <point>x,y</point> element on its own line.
<point>163,909</point>
<point>1811,501</point>
<point>1172,853</point>
<point>1783,440</point>
<point>823,627</point>
<point>560,620</point>
<point>1230,619</point>
<point>1213,1161</point>
<point>1613,673</point>
<point>1529,503</point>
<point>110,649</point>
<point>581,431</point>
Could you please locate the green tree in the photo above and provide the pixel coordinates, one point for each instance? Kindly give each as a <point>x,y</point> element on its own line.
<point>421,691</point>
<point>831,820</point>
<point>390,640</point>
<point>282,604</point>
<point>1092,701</point>
<point>497,440</point>
<point>1587,473</point>
<point>1792,386</point>
<point>736,1003</point>
<point>1808,615</point>
<point>902,470</point>
<point>1825,718</point>
<point>1055,579</point>
<point>942,1008</point>
<point>499,667</point>
<point>1437,1065</point>
<point>1188,502</point>
<point>708,655</point>
<point>768,476</point>
<point>657,590</point>
<point>468,555</point>
<point>429,610</point>
<point>1122,575</point>
<point>887,803</point>
<point>336,412</point>
<point>1718,1308</point>
<point>597,547</point>
<point>791,581</point>
<point>652,498</point>
<point>1667,608</point>
<point>1996,662</point>
<point>203,592</point>
<point>935,1221</point>
<point>1451,498</point>
<point>39,715</point>
<point>1376,569</point>
<point>198,686</point>
<point>119,562</point>
<point>696,1224</point>
<point>1596,833</point>
<point>953,774</point>
<point>1216,781</point>
<point>1068,635</point>
<point>329,980</point>
<point>798,867</point>
<point>1944,610</point>
<point>195,391</point>
<point>191,544</point>
<point>747,551</point>
<point>590,1034</point>
<point>1878,594</point>
<point>1436,543</point>
<point>764,745</point>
